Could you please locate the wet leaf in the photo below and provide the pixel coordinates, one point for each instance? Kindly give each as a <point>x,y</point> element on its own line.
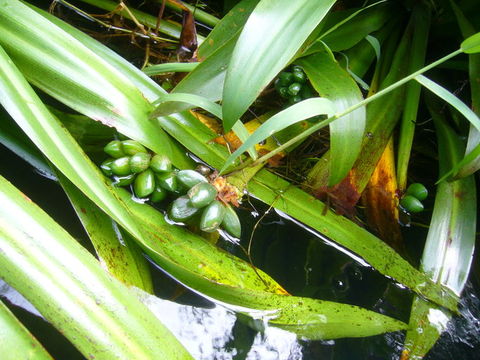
<point>264,48</point>
<point>346,134</point>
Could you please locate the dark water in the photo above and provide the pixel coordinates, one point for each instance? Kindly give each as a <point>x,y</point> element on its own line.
<point>299,260</point>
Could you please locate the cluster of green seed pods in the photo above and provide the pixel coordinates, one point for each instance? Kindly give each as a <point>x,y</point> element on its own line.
<point>154,178</point>
<point>412,200</point>
<point>293,85</point>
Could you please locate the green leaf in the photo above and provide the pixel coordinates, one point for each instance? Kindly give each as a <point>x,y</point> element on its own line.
<point>471,45</point>
<point>70,289</point>
<point>295,113</point>
<point>296,203</point>
<point>421,21</point>
<point>272,35</point>
<point>451,99</point>
<point>213,108</point>
<point>16,342</point>
<point>65,68</point>
<point>346,134</point>
<point>450,243</point>
<point>228,279</point>
<point>116,250</point>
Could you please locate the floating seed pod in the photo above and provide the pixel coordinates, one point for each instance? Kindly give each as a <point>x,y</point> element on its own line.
<point>121,166</point>
<point>115,149</point>
<point>212,216</point>
<point>190,178</point>
<point>131,147</point>
<point>294,88</point>
<point>123,180</point>
<point>159,194</point>
<point>139,162</point>
<point>203,169</point>
<point>418,190</point>
<point>161,164</point>
<point>411,204</point>
<point>106,167</point>
<point>182,210</point>
<point>202,194</point>
<point>144,184</point>
<point>168,181</point>
<point>231,223</point>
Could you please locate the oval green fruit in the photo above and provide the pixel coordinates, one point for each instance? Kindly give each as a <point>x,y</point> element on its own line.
<point>131,147</point>
<point>190,178</point>
<point>115,149</point>
<point>299,76</point>
<point>123,180</point>
<point>182,210</point>
<point>139,162</point>
<point>161,164</point>
<point>168,181</point>
<point>106,167</point>
<point>203,169</point>
<point>144,184</point>
<point>121,166</point>
<point>231,223</point>
<point>285,78</point>
<point>418,190</point>
<point>202,194</point>
<point>411,204</point>
<point>284,92</point>
<point>212,216</point>
<point>294,88</point>
<point>159,194</point>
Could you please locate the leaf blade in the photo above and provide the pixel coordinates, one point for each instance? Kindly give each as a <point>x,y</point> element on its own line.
<point>273,33</point>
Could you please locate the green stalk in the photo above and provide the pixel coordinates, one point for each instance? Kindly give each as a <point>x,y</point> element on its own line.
<point>421,14</point>
<point>169,67</point>
<point>199,14</point>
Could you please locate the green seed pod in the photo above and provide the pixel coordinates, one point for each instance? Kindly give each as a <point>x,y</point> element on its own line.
<point>121,166</point>
<point>299,76</point>
<point>131,147</point>
<point>284,92</point>
<point>106,167</point>
<point>123,180</point>
<point>212,216</point>
<point>418,190</point>
<point>285,78</point>
<point>168,181</point>
<point>144,184</point>
<point>295,99</point>
<point>411,204</point>
<point>159,194</point>
<point>161,164</point>
<point>231,222</point>
<point>297,68</point>
<point>182,210</point>
<point>278,85</point>
<point>114,149</point>
<point>294,88</point>
<point>190,178</point>
<point>139,162</point>
<point>202,194</point>
<point>203,169</point>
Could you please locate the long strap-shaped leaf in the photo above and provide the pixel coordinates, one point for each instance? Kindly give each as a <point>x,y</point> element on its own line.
<point>16,342</point>
<point>274,32</point>
<point>79,77</point>
<point>68,286</point>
